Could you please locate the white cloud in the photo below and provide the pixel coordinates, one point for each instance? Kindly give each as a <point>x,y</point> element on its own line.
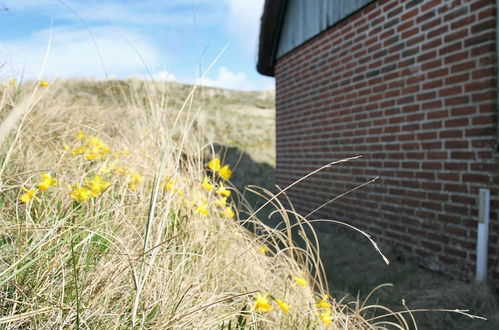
<point>164,76</point>
<point>236,80</point>
<point>73,53</point>
<point>244,23</point>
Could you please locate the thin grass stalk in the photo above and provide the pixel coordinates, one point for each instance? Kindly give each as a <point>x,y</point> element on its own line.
<point>74,262</point>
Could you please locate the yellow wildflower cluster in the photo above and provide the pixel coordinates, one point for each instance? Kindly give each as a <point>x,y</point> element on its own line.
<point>93,188</point>
<point>10,83</point>
<point>92,147</point>
<point>134,179</point>
<point>47,181</point>
<point>43,83</point>
<point>79,193</point>
<point>95,149</point>
<point>221,203</point>
<point>96,186</point>
<point>221,194</point>
<point>262,304</point>
<point>223,171</point>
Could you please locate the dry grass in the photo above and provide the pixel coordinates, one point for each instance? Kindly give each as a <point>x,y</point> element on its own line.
<point>140,254</point>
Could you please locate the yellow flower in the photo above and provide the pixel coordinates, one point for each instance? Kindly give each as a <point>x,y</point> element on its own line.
<point>93,155</point>
<point>80,135</point>
<point>28,195</point>
<point>225,172</point>
<point>11,82</point>
<point>66,147</point>
<point>285,307</point>
<point>221,202</point>
<point>135,180</point>
<point>323,303</point>
<point>326,317</point>
<point>228,212</point>
<point>122,170</point>
<point>203,209</point>
<point>206,184</point>
<point>300,281</point>
<point>168,185</point>
<point>124,152</point>
<point>44,83</point>
<point>263,249</point>
<point>97,186</point>
<point>79,151</point>
<point>223,191</point>
<point>98,149</point>
<point>47,181</point>
<point>214,164</point>
<point>132,185</point>
<point>262,304</point>
<point>79,193</point>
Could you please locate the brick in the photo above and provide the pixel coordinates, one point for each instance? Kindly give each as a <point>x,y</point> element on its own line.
<point>437,73</point>
<point>479,85</point>
<point>457,57</point>
<point>469,155</point>
<point>463,22</point>
<point>412,3</point>
<point>437,32</point>
<point>456,90</point>
<point>456,144</point>
<point>456,100</point>
<point>430,4</point>
<point>476,178</point>
<point>451,48</point>
<point>426,16</point>
<point>460,122</point>
<point>483,73</point>
<point>487,36</point>
<point>458,78</point>
<point>456,13</point>
<point>450,134</point>
<point>427,56</point>
<point>483,26</point>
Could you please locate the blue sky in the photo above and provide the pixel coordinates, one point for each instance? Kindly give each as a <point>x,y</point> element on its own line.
<point>176,39</point>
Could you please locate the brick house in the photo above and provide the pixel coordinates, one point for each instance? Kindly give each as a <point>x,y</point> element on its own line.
<point>412,87</point>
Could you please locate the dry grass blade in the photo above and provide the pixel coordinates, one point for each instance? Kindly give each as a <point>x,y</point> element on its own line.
<point>23,316</point>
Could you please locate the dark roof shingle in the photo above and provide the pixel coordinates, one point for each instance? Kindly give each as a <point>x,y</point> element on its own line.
<point>270,29</point>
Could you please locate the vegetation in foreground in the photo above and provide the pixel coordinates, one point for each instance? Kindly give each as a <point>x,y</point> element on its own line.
<point>117,212</point>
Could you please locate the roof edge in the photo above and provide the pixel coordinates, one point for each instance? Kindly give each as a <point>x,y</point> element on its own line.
<point>270,31</point>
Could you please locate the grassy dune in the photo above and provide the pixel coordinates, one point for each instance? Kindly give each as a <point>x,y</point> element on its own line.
<point>113,215</point>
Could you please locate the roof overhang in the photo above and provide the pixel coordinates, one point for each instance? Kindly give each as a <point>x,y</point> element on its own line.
<point>270,30</point>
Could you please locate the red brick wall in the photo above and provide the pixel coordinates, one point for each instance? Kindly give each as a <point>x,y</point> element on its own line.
<point>410,86</point>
